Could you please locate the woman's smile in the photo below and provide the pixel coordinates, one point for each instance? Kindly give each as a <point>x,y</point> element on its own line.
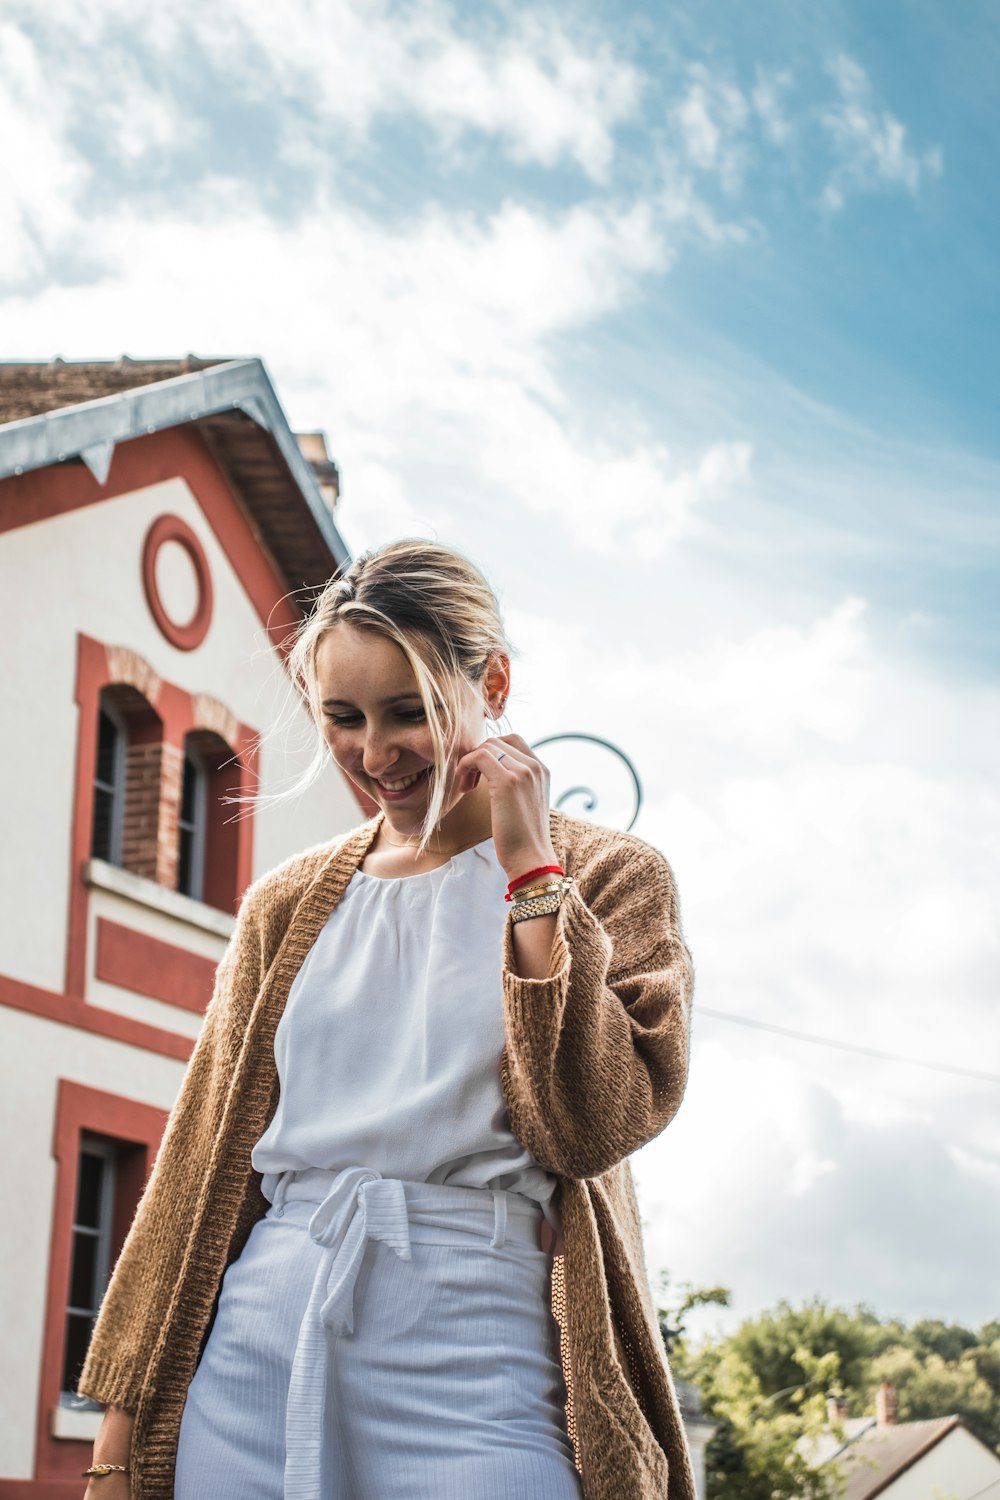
<point>398,790</point>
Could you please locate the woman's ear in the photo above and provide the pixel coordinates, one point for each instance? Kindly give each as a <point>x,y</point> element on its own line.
<point>497,684</point>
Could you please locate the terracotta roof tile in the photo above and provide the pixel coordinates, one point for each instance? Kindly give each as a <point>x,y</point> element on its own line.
<point>27,390</point>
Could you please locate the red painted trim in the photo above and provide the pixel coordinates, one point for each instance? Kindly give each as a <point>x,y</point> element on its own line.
<point>72,1010</point>
<point>137,1128</point>
<point>92,673</point>
<point>247,748</point>
<point>176,711</point>
<point>165,529</point>
<point>149,966</point>
<point>40,1489</point>
<point>176,453</point>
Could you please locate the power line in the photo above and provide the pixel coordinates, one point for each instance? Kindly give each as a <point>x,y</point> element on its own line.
<point>828,1041</point>
<point>991,1486</point>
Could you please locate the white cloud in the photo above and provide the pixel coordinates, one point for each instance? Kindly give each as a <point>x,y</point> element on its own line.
<point>540,87</point>
<point>870,144</point>
<point>437,336</point>
<point>712,119</point>
<point>836,864</point>
<point>40,176</point>
<point>766,98</point>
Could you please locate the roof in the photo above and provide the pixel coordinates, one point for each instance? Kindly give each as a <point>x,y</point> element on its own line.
<point>689,1401</point>
<point>870,1461</point>
<point>56,411</point>
<point>28,390</point>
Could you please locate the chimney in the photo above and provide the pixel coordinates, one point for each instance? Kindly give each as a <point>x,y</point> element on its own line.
<point>312,446</point>
<point>837,1408</point>
<point>886,1405</point>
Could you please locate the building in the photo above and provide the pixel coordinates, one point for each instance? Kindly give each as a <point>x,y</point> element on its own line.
<point>937,1459</point>
<point>161,533</point>
<point>699,1429</point>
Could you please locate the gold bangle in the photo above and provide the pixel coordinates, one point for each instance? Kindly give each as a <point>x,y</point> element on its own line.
<point>100,1471</point>
<point>535,890</point>
<point>541,888</point>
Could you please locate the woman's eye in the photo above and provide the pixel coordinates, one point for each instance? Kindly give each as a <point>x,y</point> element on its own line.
<point>411,715</point>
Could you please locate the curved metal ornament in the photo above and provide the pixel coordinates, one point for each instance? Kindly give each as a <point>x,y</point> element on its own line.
<point>586,791</point>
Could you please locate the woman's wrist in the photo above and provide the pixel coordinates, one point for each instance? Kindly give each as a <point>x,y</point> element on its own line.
<point>113,1444</point>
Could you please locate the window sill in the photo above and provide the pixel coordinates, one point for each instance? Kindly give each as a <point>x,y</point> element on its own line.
<point>76,1426</point>
<point>105,877</point>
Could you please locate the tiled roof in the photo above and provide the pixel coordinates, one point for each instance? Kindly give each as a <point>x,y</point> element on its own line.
<point>27,390</point>
<point>64,412</point>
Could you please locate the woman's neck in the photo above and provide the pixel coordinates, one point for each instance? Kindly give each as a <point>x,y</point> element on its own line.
<point>465,824</point>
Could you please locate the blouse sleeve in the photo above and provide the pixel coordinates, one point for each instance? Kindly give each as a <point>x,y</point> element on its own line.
<point>147,1270</point>
<point>596,1059</point>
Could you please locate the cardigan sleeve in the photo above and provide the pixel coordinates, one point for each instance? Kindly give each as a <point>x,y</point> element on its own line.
<point>596,1059</point>
<point>134,1307</point>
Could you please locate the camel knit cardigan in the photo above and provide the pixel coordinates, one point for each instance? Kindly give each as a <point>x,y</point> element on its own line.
<point>594,1065</point>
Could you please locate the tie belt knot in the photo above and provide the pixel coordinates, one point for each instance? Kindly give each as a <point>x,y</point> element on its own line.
<point>361,1206</point>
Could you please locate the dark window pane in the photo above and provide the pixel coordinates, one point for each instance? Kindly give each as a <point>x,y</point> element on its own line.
<point>88,1193</point>
<point>100,844</point>
<point>78,1331</point>
<point>82,1292</point>
<point>184,862</point>
<point>188,791</point>
<point>107,740</point>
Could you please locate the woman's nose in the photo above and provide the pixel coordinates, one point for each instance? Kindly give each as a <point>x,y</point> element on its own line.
<point>378,755</point>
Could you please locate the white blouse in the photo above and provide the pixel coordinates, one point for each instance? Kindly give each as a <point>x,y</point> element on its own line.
<point>389,1046</point>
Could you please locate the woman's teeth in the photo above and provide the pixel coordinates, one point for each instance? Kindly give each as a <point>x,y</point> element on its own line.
<point>399,786</point>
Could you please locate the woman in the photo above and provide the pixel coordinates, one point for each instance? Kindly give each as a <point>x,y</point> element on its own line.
<point>402,1139</point>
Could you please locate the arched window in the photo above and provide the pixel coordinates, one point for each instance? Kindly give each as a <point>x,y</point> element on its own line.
<point>127,769</point>
<point>207,831</point>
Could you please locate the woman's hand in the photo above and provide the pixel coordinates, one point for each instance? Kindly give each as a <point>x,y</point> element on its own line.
<point>519,801</point>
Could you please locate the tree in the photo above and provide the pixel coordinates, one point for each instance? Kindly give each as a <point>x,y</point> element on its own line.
<point>766,1385</point>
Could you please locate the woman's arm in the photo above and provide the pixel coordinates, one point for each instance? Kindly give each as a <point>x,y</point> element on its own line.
<point>113,1445</point>
<point>597,1051</point>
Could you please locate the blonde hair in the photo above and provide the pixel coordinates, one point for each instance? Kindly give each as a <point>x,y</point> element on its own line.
<point>438,608</point>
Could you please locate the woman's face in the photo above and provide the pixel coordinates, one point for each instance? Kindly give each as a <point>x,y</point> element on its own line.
<point>375,726</point>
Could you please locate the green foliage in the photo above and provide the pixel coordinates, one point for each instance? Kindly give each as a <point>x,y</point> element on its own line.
<point>929,1386</point>
<point>766,1385</point>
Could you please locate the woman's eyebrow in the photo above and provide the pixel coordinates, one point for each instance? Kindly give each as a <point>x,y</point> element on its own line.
<point>346,703</point>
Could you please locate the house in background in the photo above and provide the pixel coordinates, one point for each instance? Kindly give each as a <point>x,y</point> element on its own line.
<point>162,532</point>
<point>699,1429</point>
<point>937,1459</point>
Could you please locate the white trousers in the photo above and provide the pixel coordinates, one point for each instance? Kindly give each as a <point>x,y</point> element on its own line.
<point>381,1340</point>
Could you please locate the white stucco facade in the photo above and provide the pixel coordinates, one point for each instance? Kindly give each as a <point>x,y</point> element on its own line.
<point>81,572</point>
<point>956,1468</point>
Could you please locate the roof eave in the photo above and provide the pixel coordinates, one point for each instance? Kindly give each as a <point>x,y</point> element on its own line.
<point>91,429</point>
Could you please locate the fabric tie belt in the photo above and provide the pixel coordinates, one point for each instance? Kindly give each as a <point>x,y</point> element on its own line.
<point>355,1206</point>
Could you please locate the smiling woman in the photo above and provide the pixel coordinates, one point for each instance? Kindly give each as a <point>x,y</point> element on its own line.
<point>390,1247</point>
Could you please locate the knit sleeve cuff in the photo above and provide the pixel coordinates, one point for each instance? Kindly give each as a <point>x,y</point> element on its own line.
<point>110,1384</point>
<point>579,939</point>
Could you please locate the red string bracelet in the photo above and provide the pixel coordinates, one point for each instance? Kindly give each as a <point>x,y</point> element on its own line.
<point>523,879</point>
